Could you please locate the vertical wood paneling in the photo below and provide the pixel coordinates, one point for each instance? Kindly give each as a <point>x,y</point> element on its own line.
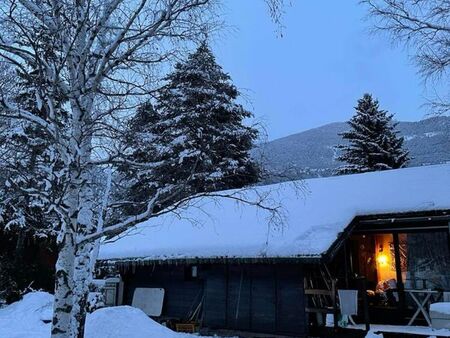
<point>291,316</point>
<point>181,296</point>
<point>263,316</point>
<point>214,308</point>
<point>238,309</point>
<point>266,298</point>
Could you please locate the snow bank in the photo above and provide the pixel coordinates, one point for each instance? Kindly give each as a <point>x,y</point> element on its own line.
<point>313,219</point>
<point>126,322</point>
<point>372,334</point>
<point>26,317</point>
<point>31,317</point>
<point>425,331</point>
<point>443,307</point>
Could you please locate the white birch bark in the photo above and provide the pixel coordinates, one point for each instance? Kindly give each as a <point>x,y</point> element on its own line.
<point>62,307</point>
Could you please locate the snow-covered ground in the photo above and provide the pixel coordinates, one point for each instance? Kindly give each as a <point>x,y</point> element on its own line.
<point>26,317</point>
<point>424,331</point>
<point>30,318</point>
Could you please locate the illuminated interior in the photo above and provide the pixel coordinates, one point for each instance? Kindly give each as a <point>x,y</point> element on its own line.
<point>424,263</point>
<point>374,258</point>
<point>385,257</point>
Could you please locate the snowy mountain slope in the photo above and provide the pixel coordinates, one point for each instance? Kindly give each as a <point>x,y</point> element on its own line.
<point>311,153</point>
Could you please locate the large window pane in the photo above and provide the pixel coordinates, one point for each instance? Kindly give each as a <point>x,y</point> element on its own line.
<point>427,260</point>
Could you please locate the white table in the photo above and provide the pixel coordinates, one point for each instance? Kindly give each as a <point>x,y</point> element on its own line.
<point>422,303</point>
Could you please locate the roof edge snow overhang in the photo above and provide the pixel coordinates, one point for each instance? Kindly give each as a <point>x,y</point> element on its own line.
<point>130,262</point>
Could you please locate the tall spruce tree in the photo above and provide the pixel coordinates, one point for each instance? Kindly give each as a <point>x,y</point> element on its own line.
<point>373,142</point>
<point>195,133</point>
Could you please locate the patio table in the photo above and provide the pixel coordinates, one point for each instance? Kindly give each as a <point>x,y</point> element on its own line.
<point>422,303</point>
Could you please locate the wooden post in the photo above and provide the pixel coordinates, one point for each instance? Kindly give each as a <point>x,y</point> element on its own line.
<point>448,233</point>
<point>333,302</point>
<point>365,302</point>
<point>346,264</point>
<point>227,282</point>
<point>398,269</point>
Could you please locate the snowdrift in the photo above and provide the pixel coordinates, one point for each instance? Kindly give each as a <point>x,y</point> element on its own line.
<point>126,322</point>
<point>31,317</point>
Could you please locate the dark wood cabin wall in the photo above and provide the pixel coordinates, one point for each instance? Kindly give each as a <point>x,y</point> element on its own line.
<point>238,311</point>
<point>291,316</point>
<point>182,294</point>
<point>215,303</point>
<point>264,298</point>
<point>260,298</point>
<point>267,298</point>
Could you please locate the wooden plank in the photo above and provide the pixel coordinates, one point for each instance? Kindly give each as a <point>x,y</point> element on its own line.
<point>238,309</point>
<point>214,314</point>
<point>333,302</point>
<point>291,315</point>
<point>263,299</point>
<point>318,292</point>
<point>398,270</point>
<point>319,310</point>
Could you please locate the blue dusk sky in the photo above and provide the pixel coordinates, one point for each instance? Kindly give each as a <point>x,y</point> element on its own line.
<point>314,74</point>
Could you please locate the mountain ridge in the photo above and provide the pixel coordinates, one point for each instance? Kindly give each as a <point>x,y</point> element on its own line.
<point>311,153</point>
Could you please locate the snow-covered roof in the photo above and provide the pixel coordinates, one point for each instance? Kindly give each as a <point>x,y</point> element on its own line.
<point>313,217</point>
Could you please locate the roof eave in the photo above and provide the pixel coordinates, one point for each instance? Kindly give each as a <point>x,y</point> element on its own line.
<point>312,259</point>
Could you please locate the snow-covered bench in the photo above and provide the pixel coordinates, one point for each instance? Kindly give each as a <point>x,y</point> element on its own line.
<point>440,315</point>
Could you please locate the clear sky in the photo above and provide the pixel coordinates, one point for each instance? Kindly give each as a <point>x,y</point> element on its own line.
<point>314,74</point>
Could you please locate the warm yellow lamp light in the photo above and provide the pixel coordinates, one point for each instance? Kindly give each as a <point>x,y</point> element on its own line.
<point>382,259</point>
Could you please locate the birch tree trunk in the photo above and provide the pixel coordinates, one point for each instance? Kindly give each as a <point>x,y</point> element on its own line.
<point>62,307</point>
<point>73,286</point>
<point>82,278</point>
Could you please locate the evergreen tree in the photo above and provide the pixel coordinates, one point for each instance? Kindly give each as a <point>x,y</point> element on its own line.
<point>195,133</point>
<point>374,143</point>
<point>141,141</point>
<point>27,188</point>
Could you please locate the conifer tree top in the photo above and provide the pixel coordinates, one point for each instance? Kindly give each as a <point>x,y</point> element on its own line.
<point>373,142</point>
<point>195,133</point>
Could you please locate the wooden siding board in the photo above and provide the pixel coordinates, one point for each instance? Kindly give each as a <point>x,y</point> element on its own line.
<point>181,296</point>
<point>263,315</point>
<point>291,316</point>
<point>238,305</point>
<point>214,311</point>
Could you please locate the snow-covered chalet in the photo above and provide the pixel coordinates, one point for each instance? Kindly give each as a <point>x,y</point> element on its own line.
<point>218,265</point>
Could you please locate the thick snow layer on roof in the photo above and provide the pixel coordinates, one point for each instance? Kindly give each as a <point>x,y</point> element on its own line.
<point>313,217</point>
